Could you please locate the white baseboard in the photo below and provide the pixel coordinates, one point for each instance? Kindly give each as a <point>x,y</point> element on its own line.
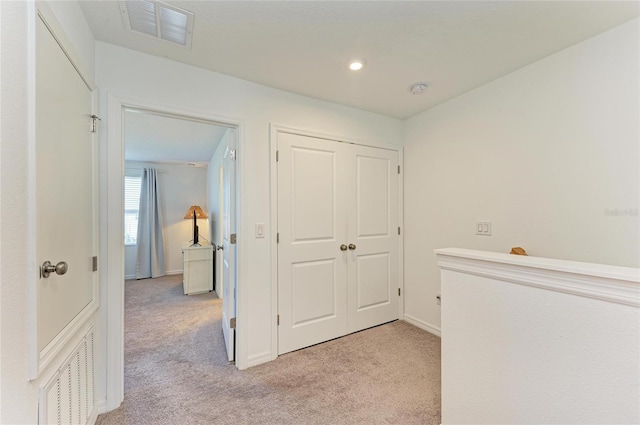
<point>422,325</point>
<point>98,409</point>
<point>168,273</point>
<point>91,420</point>
<point>257,359</point>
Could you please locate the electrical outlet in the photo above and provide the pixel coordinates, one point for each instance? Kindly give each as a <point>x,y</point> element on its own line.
<point>483,228</point>
<point>438,298</point>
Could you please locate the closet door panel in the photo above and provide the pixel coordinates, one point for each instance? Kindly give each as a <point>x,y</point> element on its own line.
<point>373,223</point>
<point>312,225</point>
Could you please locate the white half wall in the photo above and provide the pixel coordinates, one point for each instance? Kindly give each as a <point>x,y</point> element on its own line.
<point>150,80</point>
<point>180,187</point>
<point>528,340</point>
<point>549,154</point>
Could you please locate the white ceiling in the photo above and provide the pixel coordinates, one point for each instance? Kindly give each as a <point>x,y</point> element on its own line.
<point>157,138</point>
<point>304,46</point>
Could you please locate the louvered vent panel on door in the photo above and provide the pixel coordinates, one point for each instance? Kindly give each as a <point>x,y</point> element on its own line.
<point>68,398</point>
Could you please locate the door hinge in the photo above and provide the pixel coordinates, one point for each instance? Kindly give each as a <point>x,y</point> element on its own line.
<point>277,156</point>
<point>278,320</point>
<point>398,169</point>
<point>398,229</point>
<point>94,124</point>
<point>233,154</point>
<point>399,292</point>
<point>94,263</point>
<point>232,323</point>
<point>233,238</point>
<point>277,237</point>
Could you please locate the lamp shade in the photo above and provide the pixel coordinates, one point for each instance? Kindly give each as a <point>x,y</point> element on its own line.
<point>199,212</point>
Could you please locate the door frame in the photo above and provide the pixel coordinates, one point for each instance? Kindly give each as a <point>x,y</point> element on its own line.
<point>38,361</point>
<point>274,130</point>
<point>112,244</point>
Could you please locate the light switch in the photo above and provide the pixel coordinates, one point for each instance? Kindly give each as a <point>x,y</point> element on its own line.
<point>483,228</point>
<point>259,230</point>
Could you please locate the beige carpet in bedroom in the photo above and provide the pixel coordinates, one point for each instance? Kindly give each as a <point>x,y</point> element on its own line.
<point>176,371</point>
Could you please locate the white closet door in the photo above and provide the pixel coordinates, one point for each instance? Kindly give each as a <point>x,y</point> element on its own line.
<point>64,187</point>
<point>312,220</point>
<point>373,238</point>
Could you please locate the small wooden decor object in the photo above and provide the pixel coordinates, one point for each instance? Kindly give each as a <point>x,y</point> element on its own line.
<point>516,250</point>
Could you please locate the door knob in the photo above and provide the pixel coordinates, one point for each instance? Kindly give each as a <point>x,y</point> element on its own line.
<point>343,247</point>
<point>48,268</point>
<point>352,247</point>
<point>220,248</point>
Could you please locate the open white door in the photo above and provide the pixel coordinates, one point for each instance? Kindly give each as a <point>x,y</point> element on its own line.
<point>65,219</point>
<point>229,249</point>
<point>219,232</point>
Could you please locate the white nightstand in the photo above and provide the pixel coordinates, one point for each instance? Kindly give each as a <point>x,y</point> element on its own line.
<point>198,268</point>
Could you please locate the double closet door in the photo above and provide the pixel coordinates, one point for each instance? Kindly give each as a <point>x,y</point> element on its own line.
<point>338,250</point>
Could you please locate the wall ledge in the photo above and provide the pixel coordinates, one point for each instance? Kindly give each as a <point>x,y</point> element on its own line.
<point>603,282</point>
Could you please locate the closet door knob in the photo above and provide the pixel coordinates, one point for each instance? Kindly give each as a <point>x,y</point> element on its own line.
<point>352,247</point>
<point>343,247</point>
<point>48,268</point>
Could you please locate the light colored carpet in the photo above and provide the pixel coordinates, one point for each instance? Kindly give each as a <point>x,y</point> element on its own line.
<point>176,371</point>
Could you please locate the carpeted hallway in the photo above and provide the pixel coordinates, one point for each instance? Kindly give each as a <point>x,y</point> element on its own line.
<point>176,370</point>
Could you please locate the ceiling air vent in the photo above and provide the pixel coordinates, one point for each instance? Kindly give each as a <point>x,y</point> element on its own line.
<point>158,20</point>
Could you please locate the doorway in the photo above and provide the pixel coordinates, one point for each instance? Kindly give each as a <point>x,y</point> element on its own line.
<point>115,273</point>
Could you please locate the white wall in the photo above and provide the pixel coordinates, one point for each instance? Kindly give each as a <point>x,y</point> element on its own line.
<point>154,81</point>
<point>535,341</point>
<point>180,186</point>
<point>18,396</point>
<point>542,153</point>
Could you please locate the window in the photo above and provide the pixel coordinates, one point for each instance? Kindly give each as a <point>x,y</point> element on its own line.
<point>131,206</point>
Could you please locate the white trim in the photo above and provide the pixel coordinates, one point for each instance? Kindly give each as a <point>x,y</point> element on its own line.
<point>321,135</point>
<point>93,416</point>
<point>608,283</point>
<point>101,407</point>
<point>433,329</point>
<point>33,354</point>
<point>173,272</point>
<point>260,358</point>
<point>129,276</point>
<point>114,272</point>
<point>401,236</point>
<point>50,21</point>
<point>273,200</point>
<point>82,322</point>
<point>115,245</point>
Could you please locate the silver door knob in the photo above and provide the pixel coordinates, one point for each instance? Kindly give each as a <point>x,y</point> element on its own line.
<point>343,247</point>
<point>352,247</point>
<point>48,268</point>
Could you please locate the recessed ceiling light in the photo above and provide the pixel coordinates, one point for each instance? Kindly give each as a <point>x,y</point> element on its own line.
<point>356,64</point>
<point>418,88</point>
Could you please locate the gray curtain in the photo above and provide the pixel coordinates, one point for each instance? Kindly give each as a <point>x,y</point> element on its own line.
<point>150,257</point>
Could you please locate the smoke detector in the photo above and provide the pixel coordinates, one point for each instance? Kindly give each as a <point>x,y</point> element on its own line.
<point>158,20</point>
<point>418,88</point>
